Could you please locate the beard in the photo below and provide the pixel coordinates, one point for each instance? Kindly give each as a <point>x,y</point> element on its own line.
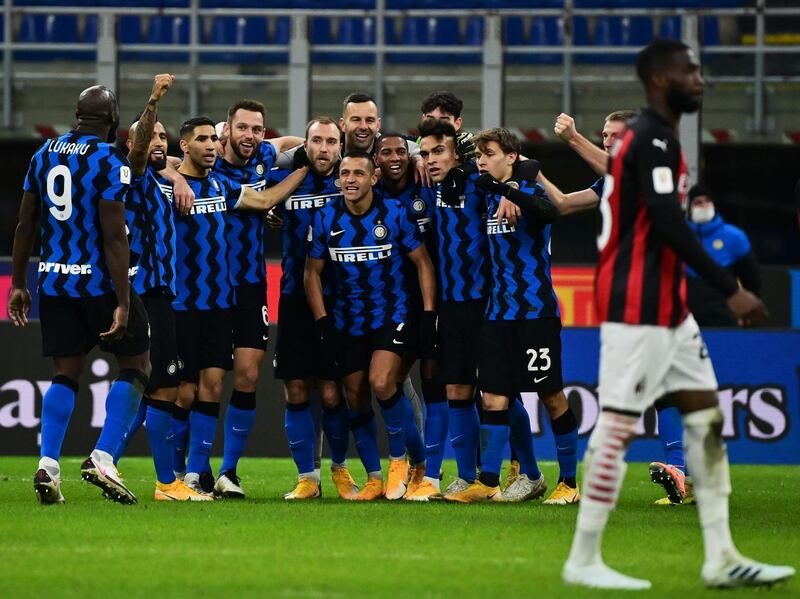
<point>159,165</point>
<point>237,150</point>
<point>681,102</point>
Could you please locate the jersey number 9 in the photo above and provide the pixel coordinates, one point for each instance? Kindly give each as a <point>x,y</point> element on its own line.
<point>62,208</point>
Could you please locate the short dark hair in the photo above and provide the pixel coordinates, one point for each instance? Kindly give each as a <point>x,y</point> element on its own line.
<point>447,101</point>
<point>361,154</point>
<point>249,105</point>
<point>503,137</point>
<point>322,120</point>
<point>657,57</point>
<point>437,129</point>
<point>621,115</point>
<point>357,98</point>
<point>699,189</point>
<point>391,134</point>
<point>188,126</point>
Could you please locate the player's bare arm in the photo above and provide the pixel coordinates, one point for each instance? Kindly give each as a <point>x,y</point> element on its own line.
<point>272,196</point>
<point>568,203</point>
<point>117,254</point>
<point>312,280</point>
<point>596,158</point>
<point>142,130</point>
<point>182,194</point>
<point>19,302</point>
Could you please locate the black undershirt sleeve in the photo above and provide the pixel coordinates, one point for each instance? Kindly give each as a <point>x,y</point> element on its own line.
<point>746,268</point>
<point>537,207</point>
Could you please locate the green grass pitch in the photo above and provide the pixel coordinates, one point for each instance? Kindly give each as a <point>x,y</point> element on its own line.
<point>267,547</point>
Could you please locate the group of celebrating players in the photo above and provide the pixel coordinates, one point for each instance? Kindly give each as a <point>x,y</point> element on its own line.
<point>436,250</point>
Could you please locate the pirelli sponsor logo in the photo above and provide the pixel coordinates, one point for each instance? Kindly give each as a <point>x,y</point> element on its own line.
<point>495,227</point>
<point>367,253</point>
<point>257,186</point>
<point>209,205</point>
<point>307,201</point>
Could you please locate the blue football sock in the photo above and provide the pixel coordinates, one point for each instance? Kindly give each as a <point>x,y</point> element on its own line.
<point>521,439</point>
<point>362,423</point>
<point>138,420</point>
<point>464,427</point>
<point>670,433</point>
<point>159,432</point>
<point>203,430</point>
<point>337,430</point>
<point>239,418</point>
<point>122,403</point>
<point>57,407</point>
<point>395,416</point>
<point>300,433</point>
<point>436,417</point>
<point>565,431</point>
<point>495,431</point>
<point>180,437</point>
<point>415,445</point>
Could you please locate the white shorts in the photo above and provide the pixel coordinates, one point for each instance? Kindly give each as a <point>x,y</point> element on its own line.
<point>641,363</point>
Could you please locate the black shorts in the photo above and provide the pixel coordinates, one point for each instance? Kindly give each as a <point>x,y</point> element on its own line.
<point>521,355</point>
<point>297,351</point>
<point>459,340</point>
<point>163,343</point>
<point>71,326</point>
<point>250,316</point>
<point>205,340</point>
<point>355,352</point>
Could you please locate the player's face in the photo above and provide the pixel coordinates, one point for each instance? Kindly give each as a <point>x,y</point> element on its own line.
<point>201,147</point>
<point>360,124</point>
<point>157,152</point>
<point>392,158</point>
<point>612,131</point>
<point>438,156</point>
<point>322,146</point>
<point>684,92</point>
<point>492,160</point>
<point>357,177</point>
<point>437,114</point>
<point>245,132</point>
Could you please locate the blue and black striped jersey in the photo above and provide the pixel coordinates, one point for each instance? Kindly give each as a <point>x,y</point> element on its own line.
<point>204,278</point>
<point>462,249</point>
<point>71,175</point>
<point>246,227</point>
<point>522,288</point>
<point>366,253</point>
<point>151,223</point>
<point>297,212</point>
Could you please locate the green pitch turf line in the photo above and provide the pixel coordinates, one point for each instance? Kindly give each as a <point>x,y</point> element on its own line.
<point>267,547</point>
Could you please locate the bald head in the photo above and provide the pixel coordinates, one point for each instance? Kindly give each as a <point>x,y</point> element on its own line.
<point>97,111</point>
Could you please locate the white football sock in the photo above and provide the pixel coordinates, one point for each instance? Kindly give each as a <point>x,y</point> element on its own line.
<point>50,466</point>
<point>603,473</point>
<point>433,481</point>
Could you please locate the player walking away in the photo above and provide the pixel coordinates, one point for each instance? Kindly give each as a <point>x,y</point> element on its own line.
<point>650,343</point>
<point>205,296</point>
<point>670,474</point>
<point>77,184</point>
<point>446,107</point>
<point>247,161</point>
<point>298,356</point>
<point>366,334</point>
<point>397,183</point>
<point>152,273</point>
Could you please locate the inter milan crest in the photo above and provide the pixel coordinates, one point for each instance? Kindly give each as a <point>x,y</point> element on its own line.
<point>380,231</point>
<point>513,184</point>
<point>260,169</point>
<point>418,206</point>
<point>337,183</point>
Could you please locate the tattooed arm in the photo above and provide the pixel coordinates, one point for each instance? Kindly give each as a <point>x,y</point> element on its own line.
<point>142,130</point>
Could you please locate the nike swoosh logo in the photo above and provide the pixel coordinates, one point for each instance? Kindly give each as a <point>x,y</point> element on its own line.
<point>396,342</point>
<point>431,446</point>
<point>673,443</point>
<point>454,439</point>
<point>206,443</point>
<point>295,443</point>
<point>264,338</point>
<point>335,233</point>
<point>539,380</point>
<point>240,430</point>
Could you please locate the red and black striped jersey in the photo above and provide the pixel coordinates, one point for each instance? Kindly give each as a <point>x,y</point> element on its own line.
<point>640,278</point>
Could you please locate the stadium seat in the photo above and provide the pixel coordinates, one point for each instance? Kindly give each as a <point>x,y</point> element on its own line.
<point>31,29</point>
<point>514,31</point>
<point>356,31</point>
<point>61,29</point>
<point>637,31</point>
<point>321,30</point>
<point>473,34</point>
<point>545,31</point>
<point>167,30</point>
<point>710,31</point>
<point>607,32</point>
<point>281,34</point>
<point>91,26</point>
<point>237,31</point>
<point>670,27</point>
<point>129,29</point>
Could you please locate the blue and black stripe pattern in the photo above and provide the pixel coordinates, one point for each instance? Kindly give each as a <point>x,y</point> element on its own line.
<point>522,288</point>
<point>366,253</point>
<point>598,186</point>
<point>297,212</point>
<point>462,248</point>
<point>151,222</point>
<point>246,227</point>
<point>204,279</point>
<point>71,175</point>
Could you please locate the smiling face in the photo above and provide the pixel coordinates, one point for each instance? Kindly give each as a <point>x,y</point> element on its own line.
<point>357,176</point>
<point>245,131</point>
<point>392,158</point>
<point>322,144</point>
<point>438,155</point>
<point>360,124</point>
<point>200,146</point>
